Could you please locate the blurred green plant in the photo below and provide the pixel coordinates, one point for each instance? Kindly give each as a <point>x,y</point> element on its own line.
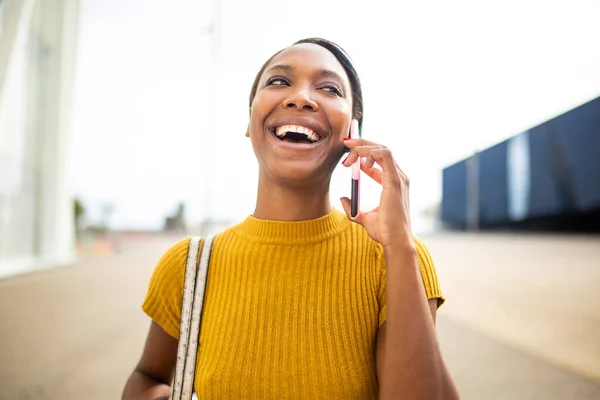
<point>176,222</point>
<point>79,210</point>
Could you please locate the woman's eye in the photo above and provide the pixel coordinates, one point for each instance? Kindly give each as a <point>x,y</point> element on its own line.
<point>277,81</point>
<point>333,90</point>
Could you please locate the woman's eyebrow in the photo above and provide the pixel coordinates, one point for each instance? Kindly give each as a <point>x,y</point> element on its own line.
<point>330,73</point>
<point>322,72</point>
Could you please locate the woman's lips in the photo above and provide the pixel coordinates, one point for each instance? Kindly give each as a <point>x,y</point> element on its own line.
<point>289,144</point>
<point>298,131</point>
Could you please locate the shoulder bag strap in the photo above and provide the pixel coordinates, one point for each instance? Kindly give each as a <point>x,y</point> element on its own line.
<point>191,317</point>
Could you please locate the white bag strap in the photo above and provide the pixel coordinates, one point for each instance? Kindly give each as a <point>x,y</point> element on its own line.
<point>194,288</point>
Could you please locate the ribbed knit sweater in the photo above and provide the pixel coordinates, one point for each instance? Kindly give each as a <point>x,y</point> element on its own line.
<point>291,309</point>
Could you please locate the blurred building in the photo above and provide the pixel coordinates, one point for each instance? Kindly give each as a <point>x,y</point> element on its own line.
<point>547,178</point>
<point>37,60</point>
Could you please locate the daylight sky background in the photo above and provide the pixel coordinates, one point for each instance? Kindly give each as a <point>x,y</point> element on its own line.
<point>157,119</point>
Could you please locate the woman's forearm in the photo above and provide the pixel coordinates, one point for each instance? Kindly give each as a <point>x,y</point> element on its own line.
<point>413,362</point>
<point>142,387</point>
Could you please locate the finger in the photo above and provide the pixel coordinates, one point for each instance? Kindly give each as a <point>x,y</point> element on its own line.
<point>373,173</point>
<point>351,143</point>
<point>367,162</point>
<point>390,174</point>
<point>382,156</point>
<point>347,205</point>
<point>356,152</point>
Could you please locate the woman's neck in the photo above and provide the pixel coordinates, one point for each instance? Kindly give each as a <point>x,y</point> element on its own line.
<point>291,203</point>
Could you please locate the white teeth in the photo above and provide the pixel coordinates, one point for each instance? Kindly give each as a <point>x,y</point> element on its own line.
<point>309,133</point>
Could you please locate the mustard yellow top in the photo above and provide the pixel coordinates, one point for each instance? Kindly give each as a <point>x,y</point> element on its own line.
<point>291,309</point>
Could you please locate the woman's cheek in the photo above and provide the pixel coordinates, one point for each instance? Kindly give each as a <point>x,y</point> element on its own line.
<point>345,108</point>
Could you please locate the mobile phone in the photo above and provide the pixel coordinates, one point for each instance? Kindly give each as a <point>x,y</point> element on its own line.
<point>355,190</point>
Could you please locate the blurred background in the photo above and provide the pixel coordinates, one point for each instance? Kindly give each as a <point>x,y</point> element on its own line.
<point>122,130</point>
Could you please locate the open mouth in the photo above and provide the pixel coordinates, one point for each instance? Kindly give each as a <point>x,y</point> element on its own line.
<point>296,134</point>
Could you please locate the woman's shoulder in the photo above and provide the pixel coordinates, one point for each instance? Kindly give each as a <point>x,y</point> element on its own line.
<point>165,290</point>
<point>173,260</point>
<point>176,252</point>
<point>360,234</point>
<point>362,238</point>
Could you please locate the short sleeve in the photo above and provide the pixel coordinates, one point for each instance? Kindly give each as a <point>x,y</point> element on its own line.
<point>165,291</point>
<point>428,274</point>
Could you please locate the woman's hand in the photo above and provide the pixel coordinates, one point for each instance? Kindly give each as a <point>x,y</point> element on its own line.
<point>389,223</point>
<point>408,360</point>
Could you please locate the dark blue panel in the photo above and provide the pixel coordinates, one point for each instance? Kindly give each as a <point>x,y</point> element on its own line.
<point>454,194</point>
<point>493,185</point>
<point>564,167</point>
<point>565,162</point>
<point>546,196</point>
<point>579,134</point>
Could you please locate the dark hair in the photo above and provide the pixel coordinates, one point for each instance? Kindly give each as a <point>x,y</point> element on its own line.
<point>343,58</point>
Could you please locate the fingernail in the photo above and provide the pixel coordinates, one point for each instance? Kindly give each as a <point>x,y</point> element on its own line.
<point>347,138</point>
<point>345,159</point>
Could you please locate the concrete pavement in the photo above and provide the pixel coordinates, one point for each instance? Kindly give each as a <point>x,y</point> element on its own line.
<point>77,332</point>
<point>536,293</point>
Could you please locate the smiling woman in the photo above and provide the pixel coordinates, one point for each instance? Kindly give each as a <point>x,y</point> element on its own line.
<point>304,301</point>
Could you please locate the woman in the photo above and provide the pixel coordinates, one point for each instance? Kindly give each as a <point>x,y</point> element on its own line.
<point>303,301</point>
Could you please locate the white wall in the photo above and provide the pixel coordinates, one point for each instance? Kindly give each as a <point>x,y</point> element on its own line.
<point>36,212</point>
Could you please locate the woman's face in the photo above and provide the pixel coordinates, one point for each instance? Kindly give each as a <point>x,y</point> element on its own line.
<point>300,114</point>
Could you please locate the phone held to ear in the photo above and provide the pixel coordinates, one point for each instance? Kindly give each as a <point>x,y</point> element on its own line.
<point>355,191</point>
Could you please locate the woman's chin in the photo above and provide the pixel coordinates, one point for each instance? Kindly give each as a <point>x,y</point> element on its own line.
<point>297,172</point>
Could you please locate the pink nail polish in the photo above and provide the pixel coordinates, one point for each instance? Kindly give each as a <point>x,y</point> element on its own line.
<point>344,160</point>
<point>347,138</point>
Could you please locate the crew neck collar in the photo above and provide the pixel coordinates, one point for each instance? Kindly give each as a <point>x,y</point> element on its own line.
<point>293,232</point>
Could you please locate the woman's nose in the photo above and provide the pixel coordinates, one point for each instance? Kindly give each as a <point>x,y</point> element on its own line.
<point>301,100</point>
